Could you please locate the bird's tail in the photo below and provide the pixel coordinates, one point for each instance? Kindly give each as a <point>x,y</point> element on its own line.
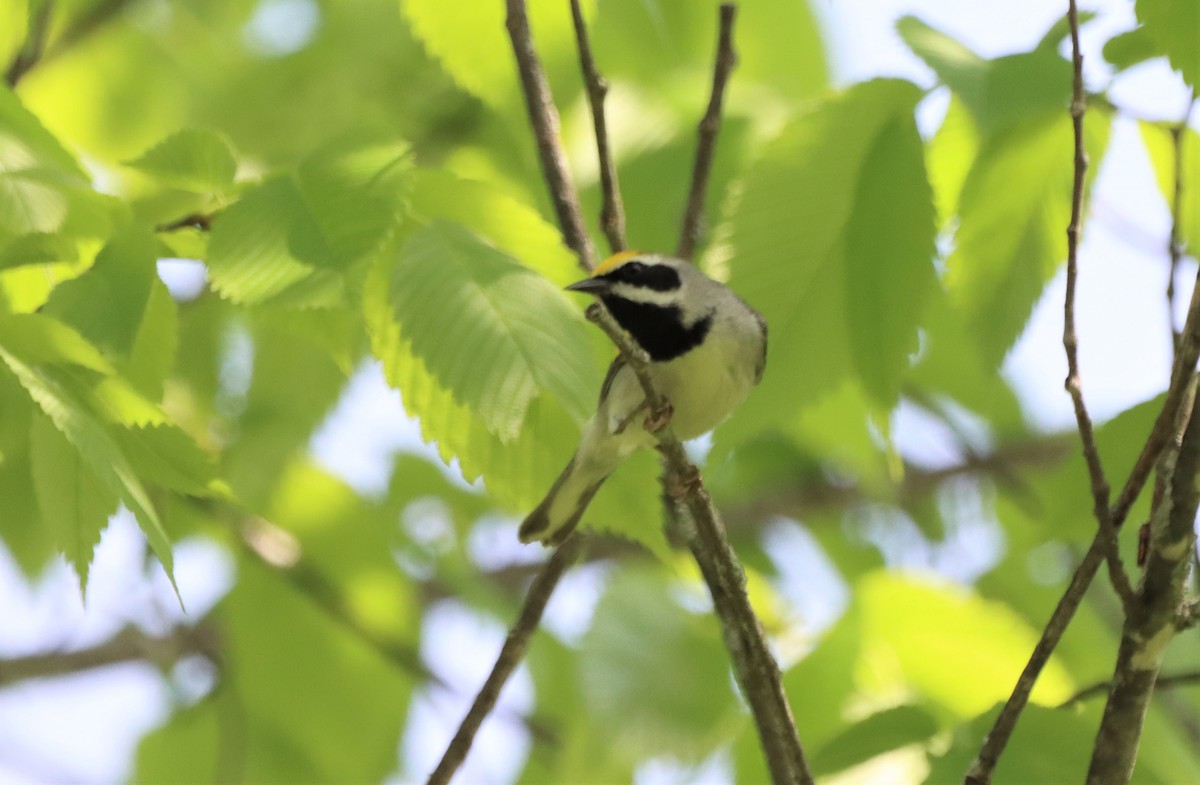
<point>558,514</point>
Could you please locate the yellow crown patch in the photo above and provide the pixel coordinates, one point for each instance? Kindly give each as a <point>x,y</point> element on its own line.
<point>615,261</point>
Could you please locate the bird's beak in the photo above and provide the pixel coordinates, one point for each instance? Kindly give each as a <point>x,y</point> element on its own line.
<point>594,286</point>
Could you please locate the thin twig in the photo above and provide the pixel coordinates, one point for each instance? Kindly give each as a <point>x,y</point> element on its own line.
<point>128,645</point>
<point>543,116</point>
<point>1105,546</point>
<point>1102,687</point>
<point>200,221</point>
<point>706,143</point>
<point>1087,435</point>
<point>1175,242</point>
<point>509,658</point>
<point>612,213</point>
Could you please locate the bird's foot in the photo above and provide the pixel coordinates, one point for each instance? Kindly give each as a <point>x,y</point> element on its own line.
<point>678,486</point>
<point>659,418</point>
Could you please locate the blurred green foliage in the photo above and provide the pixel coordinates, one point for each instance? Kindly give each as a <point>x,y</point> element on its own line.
<point>359,182</point>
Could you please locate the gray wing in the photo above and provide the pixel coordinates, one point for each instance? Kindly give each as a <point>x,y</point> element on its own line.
<point>762,361</point>
<point>617,364</point>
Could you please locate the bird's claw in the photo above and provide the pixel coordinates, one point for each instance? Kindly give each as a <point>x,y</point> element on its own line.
<point>659,418</point>
<point>679,486</point>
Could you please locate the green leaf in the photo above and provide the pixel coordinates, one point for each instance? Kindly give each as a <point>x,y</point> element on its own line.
<point>1130,48</point>
<point>881,732</point>
<point>27,144</point>
<point>152,354</point>
<point>518,471</point>
<point>509,225</point>
<point>38,248</point>
<point>1000,92</point>
<point>1174,25</point>
<point>655,678</point>
<point>1025,758</point>
<point>473,47</point>
<point>254,254</point>
<point>73,501</point>
<point>928,629</point>
<point>949,156</point>
<point>14,26</point>
<point>289,240</point>
<point>1013,213</point>
<point>490,330</point>
<point>1160,144</point>
<point>655,42</point>
<point>833,242</point>
<point>166,456</point>
<point>354,189</point>
<point>192,159</point>
<point>39,339</point>
<point>95,446</point>
<point>294,384</point>
<point>300,711</point>
<point>31,544</point>
<point>108,302</point>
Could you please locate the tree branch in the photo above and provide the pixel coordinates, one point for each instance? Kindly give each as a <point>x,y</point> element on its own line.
<point>1175,241</point>
<point>543,116</point>
<point>754,666</point>
<point>129,645</point>
<point>1102,687</point>
<point>1104,545</point>
<point>612,213</point>
<point>1099,483</point>
<point>509,658</point>
<point>706,144</point>
<point>199,221</point>
<point>1153,624</point>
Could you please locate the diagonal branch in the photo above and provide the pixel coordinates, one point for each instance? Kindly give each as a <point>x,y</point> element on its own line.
<point>1104,546</point>
<point>543,116</point>
<point>754,665</point>
<point>1102,687</point>
<point>706,145</point>
<point>509,658</point>
<point>612,213</point>
<point>129,645</point>
<point>1149,630</point>
<point>1087,435</point>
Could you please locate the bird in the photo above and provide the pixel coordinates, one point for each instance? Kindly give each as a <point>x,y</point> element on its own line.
<point>707,349</point>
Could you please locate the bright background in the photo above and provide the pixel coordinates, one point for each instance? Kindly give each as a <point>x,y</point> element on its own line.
<point>85,728</point>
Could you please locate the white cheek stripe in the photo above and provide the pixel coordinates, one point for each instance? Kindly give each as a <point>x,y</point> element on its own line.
<point>640,294</point>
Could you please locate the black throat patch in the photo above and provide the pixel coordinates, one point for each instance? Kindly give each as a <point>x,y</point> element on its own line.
<point>658,329</point>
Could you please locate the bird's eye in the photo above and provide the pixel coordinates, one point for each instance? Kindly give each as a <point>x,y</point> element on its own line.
<point>634,269</point>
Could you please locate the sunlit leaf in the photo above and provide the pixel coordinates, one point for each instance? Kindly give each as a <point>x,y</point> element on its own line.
<point>473,47</point>
<point>108,302</point>
<point>74,503</point>
<point>1160,144</point>
<point>95,446</point>
<point>921,630</point>
<point>833,242</point>
<point>998,92</point>
<point>1130,48</point>
<point>882,732</point>
<point>1174,25</point>
<point>192,159</point>
<point>489,329</point>
<point>1013,212</point>
<point>290,240</point>
<point>654,676</point>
